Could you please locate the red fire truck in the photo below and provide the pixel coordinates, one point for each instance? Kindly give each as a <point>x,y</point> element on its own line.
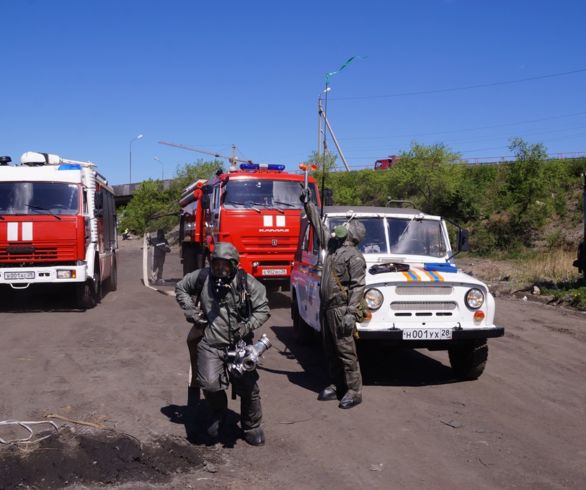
<point>256,208</point>
<point>386,163</point>
<point>57,226</point>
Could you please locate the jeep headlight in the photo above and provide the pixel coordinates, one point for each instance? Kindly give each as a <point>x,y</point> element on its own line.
<point>374,298</point>
<point>474,298</point>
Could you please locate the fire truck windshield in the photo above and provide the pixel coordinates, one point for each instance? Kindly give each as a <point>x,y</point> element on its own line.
<point>250,193</point>
<point>39,198</point>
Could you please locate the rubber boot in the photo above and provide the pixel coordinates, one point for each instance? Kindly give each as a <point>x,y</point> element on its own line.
<point>328,393</point>
<point>255,437</point>
<point>193,396</point>
<point>250,409</point>
<point>216,425</point>
<point>350,399</point>
<point>218,402</point>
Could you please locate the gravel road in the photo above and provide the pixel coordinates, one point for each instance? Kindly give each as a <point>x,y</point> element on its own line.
<point>124,365</point>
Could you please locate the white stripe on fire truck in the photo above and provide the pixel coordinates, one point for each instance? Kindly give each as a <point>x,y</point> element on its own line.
<point>27,231</point>
<point>267,220</point>
<point>12,232</point>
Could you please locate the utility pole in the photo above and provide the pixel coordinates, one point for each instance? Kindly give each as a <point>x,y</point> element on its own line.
<point>233,159</point>
<point>329,128</point>
<point>319,127</point>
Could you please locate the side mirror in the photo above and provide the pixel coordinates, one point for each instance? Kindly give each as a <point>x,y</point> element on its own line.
<point>328,195</point>
<point>463,245</point>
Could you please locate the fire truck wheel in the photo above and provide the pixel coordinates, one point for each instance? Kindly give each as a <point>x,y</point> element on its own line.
<point>193,258</point>
<point>200,259</point>
<point>468,360</point>
<point>302,332</point>
<point>89,293</point>
<point>188,265</point>
<point>86,295</point>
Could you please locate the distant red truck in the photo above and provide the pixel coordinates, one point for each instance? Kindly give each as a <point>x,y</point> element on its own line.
<point>386,163</point>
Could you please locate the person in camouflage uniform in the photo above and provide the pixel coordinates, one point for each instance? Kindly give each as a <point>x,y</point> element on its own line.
<point>220,320</point>
<point>341,291</point>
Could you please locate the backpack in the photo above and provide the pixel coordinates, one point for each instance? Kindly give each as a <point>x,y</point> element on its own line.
<point>245,309</point>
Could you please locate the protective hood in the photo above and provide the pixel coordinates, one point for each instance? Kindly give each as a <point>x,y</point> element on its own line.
<point>227,251</point>
<point>356,232</point>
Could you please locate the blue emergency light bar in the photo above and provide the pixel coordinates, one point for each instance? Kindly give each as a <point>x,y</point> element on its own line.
<point>69,166</point>
<point>256,166</point>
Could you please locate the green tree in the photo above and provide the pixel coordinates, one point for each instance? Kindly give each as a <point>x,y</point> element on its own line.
<point>149,201</point>
<point>431,176</point>
<point>526,190</point>
<point>153,207</point>
<point>525,183</point>
<point>325,161</point>
<point>190,172</point>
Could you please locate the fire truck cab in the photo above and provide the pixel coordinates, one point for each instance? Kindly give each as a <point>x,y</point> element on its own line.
<point>386,163</point>
<point>256,208</point>
<point>57,226</point>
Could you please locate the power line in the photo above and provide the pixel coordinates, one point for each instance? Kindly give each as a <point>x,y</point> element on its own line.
<point>523,134</point>
<point>479,128</point>
<point>465,87</point>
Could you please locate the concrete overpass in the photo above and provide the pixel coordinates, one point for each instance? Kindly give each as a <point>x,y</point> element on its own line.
<point>123,193</point>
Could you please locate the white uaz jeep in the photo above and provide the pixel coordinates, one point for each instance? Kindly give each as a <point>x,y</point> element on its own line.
<point>415,294</point>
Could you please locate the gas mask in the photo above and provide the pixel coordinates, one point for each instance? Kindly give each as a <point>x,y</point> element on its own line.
<point>338,237</point>
<point>222,273</point>
<point>341,232</point>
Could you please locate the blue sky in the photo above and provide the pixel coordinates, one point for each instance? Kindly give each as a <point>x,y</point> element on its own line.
<point>82,78</point>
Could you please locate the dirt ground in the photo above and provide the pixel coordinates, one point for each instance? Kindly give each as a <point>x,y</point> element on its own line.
<point>123,366</point>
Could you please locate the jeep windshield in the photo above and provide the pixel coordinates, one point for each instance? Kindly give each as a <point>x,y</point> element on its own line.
<point>38,198</point>
<point>251,193</point>
<point>402,236</point>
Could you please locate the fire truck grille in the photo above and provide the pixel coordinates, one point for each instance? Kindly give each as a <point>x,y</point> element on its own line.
<point>423,290</point>
<point>19,254</point>
<point>269,244</point>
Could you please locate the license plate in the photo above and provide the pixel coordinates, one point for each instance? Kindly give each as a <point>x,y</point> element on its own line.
<point>19,275</point>
<point>274,272</point>
<point>427,334</point>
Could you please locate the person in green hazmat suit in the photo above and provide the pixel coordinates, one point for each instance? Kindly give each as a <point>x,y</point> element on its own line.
<point>229,305</point>
<point>341,292</point>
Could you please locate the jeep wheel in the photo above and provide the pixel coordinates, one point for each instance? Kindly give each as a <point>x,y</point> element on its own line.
<point>302,332</point>
<point>468,360</point>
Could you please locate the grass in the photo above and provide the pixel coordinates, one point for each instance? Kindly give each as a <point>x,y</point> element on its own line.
<point>551,271</point>
<point>546,267</point>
